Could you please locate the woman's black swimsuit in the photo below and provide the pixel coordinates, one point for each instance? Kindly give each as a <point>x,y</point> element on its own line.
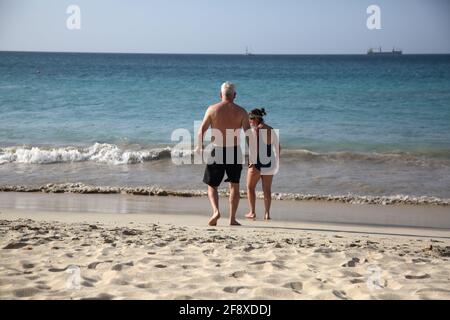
<point>259,165</point>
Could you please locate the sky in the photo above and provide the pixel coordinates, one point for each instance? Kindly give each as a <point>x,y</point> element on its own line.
<point>227,26</point>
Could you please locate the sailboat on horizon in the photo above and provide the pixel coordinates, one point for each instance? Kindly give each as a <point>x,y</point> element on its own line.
<point>247,52</point>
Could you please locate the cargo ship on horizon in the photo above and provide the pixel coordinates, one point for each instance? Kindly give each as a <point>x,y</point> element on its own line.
<point>380,52</point>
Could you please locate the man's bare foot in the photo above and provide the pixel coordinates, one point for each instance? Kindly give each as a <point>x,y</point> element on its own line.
<point>267,217</point>
<point>250,215</point>
<point>234,223</point>
<point>213,221</point>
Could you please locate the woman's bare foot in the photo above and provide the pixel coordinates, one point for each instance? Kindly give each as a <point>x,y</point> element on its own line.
<point>234,223</point>
<point>213,221</point>
<point>267,217</point>
<point>250,215</point>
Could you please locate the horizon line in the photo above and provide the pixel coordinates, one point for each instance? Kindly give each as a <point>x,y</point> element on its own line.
<point>187,53</point>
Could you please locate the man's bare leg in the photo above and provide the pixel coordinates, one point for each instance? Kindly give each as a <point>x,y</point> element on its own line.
<point>234,203</point>
<point>213,196</point>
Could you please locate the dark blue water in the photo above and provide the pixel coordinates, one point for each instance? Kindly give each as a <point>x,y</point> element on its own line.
<point>378,124</point>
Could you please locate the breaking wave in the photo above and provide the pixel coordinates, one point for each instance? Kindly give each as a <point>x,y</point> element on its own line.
<point>115,155</point>
<point>99,152</point>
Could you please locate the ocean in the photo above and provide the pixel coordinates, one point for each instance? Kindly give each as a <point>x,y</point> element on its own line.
<point>349,124</point>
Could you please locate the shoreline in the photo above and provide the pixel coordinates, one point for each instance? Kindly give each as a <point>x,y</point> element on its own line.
<point>80,188</point>
<point>289,214</point>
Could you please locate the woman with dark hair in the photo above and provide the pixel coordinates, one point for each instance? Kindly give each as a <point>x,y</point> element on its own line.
<point>260,170</point>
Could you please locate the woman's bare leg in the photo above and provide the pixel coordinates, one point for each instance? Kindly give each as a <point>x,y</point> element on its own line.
<point>253,176</point>
<point>267,189</point>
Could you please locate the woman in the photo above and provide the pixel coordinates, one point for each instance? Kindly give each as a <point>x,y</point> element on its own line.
<point>261,169</point>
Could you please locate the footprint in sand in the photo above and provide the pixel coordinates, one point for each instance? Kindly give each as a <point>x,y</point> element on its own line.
<point>144,285</point>
<point>352,263</point>
<point>87,284</point>
<point>131,232</point>
<point>120,266</point>
<point>208,252</point>
<point>296,286</point>
<point>356,281</point>
<point>161,244</point>
<point>238,274</point>
<point>417,277</point>
<point>92,280</point>
<point>325,250</point>
<point>312,268</point>
<point>260,262</point>
<point>102,296</point>
<point>43,287</point>
<point>434,293</point>
<point>15,245</point>
<point>340,294</point>
<point>145,260</point>
<point>249,248</point>
<point>94,265</point>
<point>57,269</point>
<point>234,289</point>
<point>27,265</point>
<point>120,282</point>
<point>351,274</point>
<point>267,265</point>
<point>187,267</point>
<point>25,292</point>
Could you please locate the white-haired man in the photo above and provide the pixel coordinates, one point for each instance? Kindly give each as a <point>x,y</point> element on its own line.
<point>224,117</point>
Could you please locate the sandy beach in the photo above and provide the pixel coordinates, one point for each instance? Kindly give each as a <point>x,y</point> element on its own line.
<point>69,246</point>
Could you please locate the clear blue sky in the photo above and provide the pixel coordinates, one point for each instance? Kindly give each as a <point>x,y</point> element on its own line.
<point>212,26</point>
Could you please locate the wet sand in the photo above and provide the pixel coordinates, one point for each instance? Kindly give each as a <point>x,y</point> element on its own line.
<point>423,216</point>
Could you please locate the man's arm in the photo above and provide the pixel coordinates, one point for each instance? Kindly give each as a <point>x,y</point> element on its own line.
<point>245,121</point>
<point>203,128</point>
<point>246,125</point>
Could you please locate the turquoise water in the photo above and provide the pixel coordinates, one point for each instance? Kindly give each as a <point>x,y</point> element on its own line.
<point>357,124</point>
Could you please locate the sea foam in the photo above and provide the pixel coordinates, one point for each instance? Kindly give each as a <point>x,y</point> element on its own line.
<point>99,152</point>
<point>80,188</point>
<point>115,155</point>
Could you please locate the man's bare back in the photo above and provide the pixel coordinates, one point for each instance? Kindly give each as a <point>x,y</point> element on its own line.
<point>227,116</point>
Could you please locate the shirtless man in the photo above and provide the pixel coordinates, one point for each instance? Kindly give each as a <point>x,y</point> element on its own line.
<point>222,117</point>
